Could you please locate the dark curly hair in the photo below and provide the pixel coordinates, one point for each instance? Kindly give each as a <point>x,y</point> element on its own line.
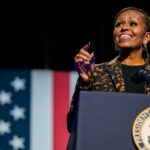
<point>145,14</point>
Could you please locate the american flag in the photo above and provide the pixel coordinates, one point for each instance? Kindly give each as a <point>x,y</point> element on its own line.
<point>33,108</point>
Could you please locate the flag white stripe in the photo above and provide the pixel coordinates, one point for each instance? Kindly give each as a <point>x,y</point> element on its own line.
<point>73,80</point>
<point>41,110</point>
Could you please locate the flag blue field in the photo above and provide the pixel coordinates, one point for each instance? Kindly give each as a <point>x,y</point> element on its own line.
<point>31,109</point>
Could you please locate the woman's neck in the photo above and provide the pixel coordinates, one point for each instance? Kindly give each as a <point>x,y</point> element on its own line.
<point>132,59</point>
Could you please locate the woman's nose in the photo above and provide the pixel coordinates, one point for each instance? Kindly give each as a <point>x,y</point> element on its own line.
<point>124,27</point>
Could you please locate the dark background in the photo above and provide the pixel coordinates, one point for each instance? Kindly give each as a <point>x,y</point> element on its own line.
<point>48,34</point>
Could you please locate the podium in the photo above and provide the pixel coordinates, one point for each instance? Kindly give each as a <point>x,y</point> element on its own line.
<point>105,120</point>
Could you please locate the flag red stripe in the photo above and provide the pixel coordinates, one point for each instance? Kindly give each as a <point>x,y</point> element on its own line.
<point>61,104</point>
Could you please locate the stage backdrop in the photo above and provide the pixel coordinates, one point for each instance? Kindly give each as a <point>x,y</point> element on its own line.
<point>33,109</point>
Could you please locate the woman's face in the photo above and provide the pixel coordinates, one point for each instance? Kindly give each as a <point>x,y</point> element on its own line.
<point>129,30</point>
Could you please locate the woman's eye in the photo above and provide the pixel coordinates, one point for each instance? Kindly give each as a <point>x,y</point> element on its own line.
<point>133,24</point>
<point>118,24</point>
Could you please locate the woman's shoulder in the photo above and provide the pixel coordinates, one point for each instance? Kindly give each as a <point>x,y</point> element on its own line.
<point>101,65</point>
<point>107,63</point>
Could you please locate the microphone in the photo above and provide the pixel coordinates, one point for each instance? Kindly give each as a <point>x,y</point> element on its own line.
<point>142,75</point>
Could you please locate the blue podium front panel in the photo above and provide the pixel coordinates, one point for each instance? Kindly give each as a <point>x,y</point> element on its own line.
<point>105,120</point>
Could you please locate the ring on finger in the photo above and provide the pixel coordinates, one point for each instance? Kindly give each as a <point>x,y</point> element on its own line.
<point>84,59</point>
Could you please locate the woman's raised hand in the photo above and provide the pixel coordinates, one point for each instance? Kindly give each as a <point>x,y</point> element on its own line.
<point>84,62</point>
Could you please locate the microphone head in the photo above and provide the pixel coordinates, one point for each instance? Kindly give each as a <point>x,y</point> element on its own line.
<point>140,76</point>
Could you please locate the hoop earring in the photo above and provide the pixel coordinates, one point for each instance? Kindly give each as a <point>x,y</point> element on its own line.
<point>147,53</point>
<point>145,47</point>
<point>116,48</point>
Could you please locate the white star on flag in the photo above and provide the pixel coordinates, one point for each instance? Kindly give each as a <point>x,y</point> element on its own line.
<point>4,127</point>
<point>31,92</point>
<point>18,113</point>
<point>18,84</point>
<point>17,143</point>
<point>5,97</point>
